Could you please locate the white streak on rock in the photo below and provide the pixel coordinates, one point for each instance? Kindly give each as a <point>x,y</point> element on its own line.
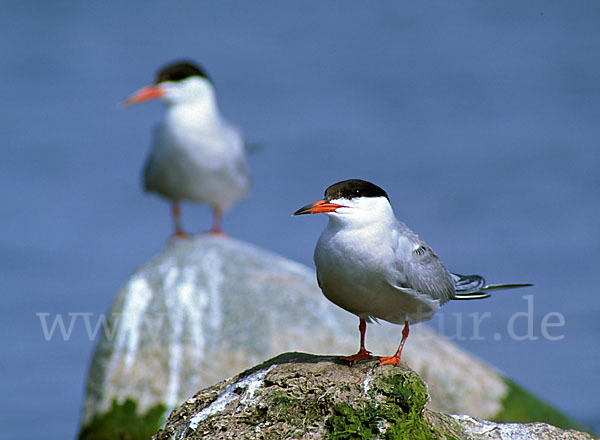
<point>250,383</point>
<point>367,383</point>
<point>185,313</point>
<point>189,303</point>
<point>505,431</point>
<point>254,382</point>
<point>134,310</point>
<point>214,267</point>
<point>176,316</point>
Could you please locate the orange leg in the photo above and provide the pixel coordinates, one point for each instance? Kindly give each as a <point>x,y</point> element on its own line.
<point>217,219</point>
<point>362,352</point>
<point>395,360</point>
<point>176,213</point>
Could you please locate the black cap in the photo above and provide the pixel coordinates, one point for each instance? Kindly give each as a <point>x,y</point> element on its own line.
<point>348,189</point>
<point>179,71</point>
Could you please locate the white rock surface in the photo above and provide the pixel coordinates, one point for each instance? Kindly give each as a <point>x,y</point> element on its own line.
<point>485,430</point>
<point>207,308</point>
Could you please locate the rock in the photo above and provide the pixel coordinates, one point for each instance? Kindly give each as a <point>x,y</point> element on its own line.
<point>304,396</point>
<point>483,429</point>
<point>207,308</point>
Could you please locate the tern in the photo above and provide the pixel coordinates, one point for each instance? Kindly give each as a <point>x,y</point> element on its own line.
<point>196,154</point>
<point>372,265</point>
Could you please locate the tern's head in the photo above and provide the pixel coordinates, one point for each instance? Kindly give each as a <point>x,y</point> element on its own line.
<point>352,201</point>
<point>177,83</point>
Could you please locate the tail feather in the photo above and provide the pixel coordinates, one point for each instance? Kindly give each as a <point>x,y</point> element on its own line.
<point>465,296</point>
<point>474,287</point>
<point>506,286</point>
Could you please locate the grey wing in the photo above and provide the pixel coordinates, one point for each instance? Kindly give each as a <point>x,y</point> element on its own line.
<point>422,269</point>
<point>147,172</point>
<point>237,140</point>
<point>150,164</point>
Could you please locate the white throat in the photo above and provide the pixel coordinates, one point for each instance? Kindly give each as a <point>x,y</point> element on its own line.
<point>362,212</point>
<point>193,98</point>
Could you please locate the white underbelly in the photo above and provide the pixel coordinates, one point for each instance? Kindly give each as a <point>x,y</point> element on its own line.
<point>198,171</point>
<point>379,301</point>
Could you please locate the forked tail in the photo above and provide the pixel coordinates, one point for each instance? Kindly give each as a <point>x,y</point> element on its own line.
<point>474,287</point>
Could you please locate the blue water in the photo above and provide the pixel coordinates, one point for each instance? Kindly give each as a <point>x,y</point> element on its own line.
<point>480,119</point>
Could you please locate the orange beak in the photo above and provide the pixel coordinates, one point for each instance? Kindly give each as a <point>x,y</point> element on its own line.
<point>318,207</point>
<point>145,94</point>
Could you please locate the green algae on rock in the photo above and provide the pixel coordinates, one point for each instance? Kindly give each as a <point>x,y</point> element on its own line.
<point>123,421</point>
<point>394,409</point>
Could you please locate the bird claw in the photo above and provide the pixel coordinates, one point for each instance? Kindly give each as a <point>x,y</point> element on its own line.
<point>360,356</point>
<point>216,233</point>
<point>179,235</point>
<point>389,360</point>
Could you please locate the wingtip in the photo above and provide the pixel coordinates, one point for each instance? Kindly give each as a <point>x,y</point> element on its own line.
<point>506,286</point>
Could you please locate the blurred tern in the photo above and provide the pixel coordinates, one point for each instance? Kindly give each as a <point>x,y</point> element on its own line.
<point>372,265</point>
<point>196,154</point>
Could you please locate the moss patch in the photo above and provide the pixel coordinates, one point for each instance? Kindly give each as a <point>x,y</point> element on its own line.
<point>521,406</point>
<point>298,412</point>
<point>348,422</point>
<point>122,422</point>
<point>395,411</point>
